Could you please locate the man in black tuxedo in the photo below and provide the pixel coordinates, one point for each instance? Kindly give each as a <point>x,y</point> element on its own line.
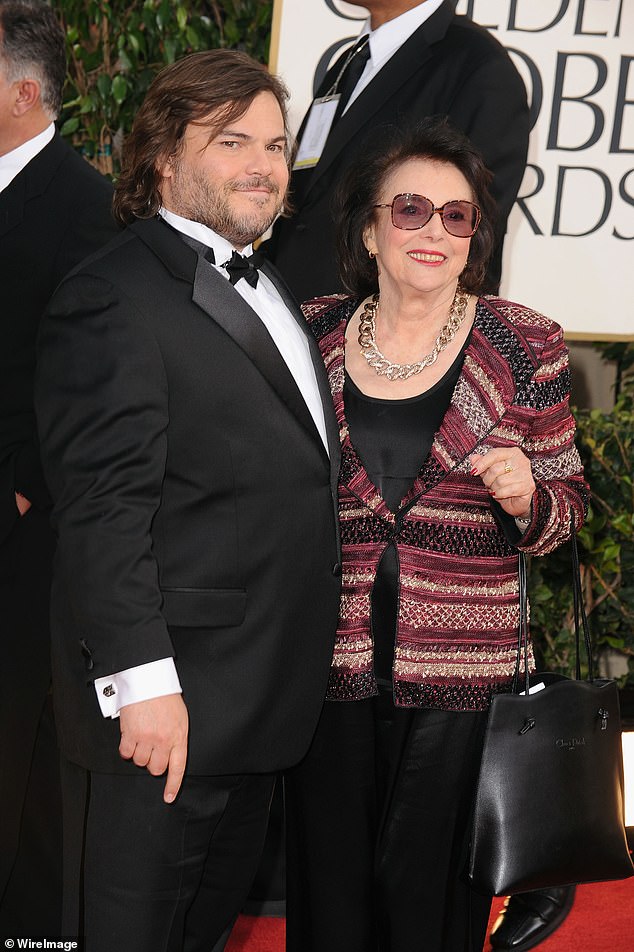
<point>54,210</point>
<point>191,449</point>
<point>421,60</point>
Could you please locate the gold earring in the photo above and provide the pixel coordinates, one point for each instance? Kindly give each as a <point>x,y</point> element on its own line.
<point>371,254</point>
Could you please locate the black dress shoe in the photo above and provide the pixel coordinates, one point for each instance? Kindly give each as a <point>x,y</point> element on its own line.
<point>529,918</point>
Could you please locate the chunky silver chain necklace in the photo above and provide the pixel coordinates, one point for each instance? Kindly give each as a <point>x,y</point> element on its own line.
<point>386,368</point>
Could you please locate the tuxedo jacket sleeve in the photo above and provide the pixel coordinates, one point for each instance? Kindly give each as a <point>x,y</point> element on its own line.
<point>450,66</point>
<point>194,503</point>
<point>52,215</point>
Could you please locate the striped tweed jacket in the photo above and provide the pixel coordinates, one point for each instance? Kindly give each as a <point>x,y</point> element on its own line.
<point>458,611</point>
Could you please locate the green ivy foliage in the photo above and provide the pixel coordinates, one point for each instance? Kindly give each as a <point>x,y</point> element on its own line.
<point>115,47</point>
<point>606,444</point>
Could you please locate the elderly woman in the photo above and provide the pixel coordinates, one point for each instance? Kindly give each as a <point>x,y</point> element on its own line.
<point>458,450</point>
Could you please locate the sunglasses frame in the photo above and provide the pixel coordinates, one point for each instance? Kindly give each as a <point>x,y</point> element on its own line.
<point>440,210</point>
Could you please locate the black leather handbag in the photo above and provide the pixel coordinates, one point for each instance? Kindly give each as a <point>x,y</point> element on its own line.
<point>549,806</point>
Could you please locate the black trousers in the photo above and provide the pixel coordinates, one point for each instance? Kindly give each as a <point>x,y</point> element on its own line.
<point>378,818</point>
<point>160,877</point>
<point>30,795</point>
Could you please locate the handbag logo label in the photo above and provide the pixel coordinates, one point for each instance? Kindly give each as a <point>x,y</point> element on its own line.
<point>570,744</point>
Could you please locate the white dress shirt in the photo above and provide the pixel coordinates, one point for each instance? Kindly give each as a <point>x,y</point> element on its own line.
<point>159,678</point>
<point>387,38</point>
<point>13,162</point>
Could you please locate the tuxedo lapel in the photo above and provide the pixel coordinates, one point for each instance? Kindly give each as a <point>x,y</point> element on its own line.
<point>32,181</point>
<point>226,307</point>
<point>332,428</point>
<point>12,201</point>
<point>407,60</point>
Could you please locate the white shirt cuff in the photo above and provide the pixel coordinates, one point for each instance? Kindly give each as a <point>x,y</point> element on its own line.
<point>141,683</point>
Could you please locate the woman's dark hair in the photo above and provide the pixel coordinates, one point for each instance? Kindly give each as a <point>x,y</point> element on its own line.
<point>218,83</point>
<point>433,139</point>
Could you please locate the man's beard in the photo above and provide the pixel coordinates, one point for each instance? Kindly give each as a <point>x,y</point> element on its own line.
<point>193,197</point>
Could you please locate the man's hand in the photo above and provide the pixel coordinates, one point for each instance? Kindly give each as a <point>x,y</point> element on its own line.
<point>154,735</point>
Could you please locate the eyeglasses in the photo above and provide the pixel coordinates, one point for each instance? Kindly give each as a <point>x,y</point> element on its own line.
<point>409,211</point>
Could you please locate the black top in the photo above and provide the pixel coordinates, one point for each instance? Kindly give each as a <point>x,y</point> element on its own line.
<point>392,439</point>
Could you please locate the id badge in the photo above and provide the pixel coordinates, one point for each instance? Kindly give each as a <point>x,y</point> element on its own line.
<point>318,125</point>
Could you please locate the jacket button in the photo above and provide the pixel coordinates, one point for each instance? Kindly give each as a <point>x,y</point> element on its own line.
<point>300,226</point>
<point>336,569</point>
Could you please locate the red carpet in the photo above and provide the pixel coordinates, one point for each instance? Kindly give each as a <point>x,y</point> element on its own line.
<point>257,934</point>
<point>601,920</point>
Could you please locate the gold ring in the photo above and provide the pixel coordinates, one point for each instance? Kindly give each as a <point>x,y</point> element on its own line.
<point>508,468</point>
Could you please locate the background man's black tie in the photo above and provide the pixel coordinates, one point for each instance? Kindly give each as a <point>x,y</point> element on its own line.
<point>359,55</point>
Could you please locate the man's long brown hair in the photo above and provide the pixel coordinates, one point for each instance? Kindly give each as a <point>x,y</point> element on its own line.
<point>220,84</point>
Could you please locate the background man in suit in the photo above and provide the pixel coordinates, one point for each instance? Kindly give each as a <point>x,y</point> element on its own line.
<point>54,210</point>
<point>420,60</point>
<point>191,449</point>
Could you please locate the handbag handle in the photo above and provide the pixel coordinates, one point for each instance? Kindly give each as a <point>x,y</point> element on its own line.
<point>579,609</point>
<point>580,618</point>
<point>522,627</point>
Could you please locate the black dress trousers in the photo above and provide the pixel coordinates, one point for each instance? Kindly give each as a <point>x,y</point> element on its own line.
<point>183,870</point>
<point>378,819</point>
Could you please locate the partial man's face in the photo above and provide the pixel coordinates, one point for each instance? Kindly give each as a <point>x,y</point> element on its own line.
<point>383,10</point>
<point>235,183</point>
<point>7,100</point>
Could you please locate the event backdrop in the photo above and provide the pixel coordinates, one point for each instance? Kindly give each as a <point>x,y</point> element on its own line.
<point>570,248</point>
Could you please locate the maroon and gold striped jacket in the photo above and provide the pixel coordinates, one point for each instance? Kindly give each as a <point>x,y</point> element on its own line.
<point>458,590</point>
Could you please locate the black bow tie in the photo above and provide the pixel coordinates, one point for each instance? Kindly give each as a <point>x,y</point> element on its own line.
<point>240,267</point>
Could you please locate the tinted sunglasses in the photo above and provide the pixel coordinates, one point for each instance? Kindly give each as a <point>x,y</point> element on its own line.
<point>409,211</point>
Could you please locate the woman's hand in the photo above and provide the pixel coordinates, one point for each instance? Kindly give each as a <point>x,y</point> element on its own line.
<point>506,473</point>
